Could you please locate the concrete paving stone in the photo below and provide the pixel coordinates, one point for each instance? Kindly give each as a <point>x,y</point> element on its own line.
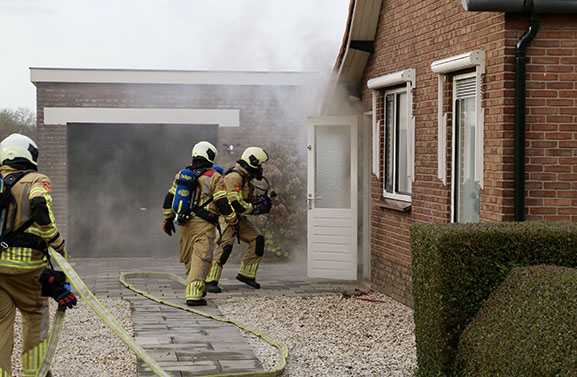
<point>204,366</point>
<point>144,317</point>
<point>149,373</point>
<point>149,327</point>
<point>227,347</point>
<point>196,347</point>
<point>196,356</point>
<point>163,356</point>
<point>152,340</point>
<point>145,371</point>
<point>154,334</point>
<point>239,365</point>
<point>212,335</point>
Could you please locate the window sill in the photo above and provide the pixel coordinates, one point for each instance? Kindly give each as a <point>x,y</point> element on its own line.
<point>395,205</point>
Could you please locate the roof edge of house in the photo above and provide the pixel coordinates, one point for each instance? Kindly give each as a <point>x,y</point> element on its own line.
<point>158,76</point>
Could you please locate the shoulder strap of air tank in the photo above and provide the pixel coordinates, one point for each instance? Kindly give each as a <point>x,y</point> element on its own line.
<point>10,180</point>
<point>234,170</point>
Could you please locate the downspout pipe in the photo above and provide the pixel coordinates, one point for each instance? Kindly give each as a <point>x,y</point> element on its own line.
<point>520,95</point>
<point>535,8</point>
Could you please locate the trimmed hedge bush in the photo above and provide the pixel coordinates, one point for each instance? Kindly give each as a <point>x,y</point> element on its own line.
<point>457,266</point>
<point>527,327</point>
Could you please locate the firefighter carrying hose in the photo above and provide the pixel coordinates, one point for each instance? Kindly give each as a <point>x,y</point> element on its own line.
<point>28,228</point>
<point>194,202</point>
<point>243,200</point>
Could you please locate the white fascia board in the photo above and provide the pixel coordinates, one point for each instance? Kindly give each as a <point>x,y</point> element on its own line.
<point>458,62</point>
<point>64,115</point>
<point>392,79</point>
<point>120,76</point>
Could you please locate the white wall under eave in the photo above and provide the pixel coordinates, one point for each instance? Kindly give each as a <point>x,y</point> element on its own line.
<point>64,115</point>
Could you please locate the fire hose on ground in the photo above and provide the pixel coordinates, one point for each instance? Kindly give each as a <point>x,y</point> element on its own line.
<point>117,328</point>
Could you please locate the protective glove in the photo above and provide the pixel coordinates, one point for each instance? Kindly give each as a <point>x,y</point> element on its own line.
<point>54,285</point>
<point>262,205</point>
<point>62,249</point>
<point>168,226</point>
<point>65,298</point>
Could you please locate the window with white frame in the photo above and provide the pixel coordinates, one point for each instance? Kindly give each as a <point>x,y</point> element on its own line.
<point>468,132</point>
<point>396,180</point>
<point>466,190</point>
<point>393,121</point>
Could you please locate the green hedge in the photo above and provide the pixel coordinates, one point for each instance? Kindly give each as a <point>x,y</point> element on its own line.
<point>527,327</point>
<point>457,266</point>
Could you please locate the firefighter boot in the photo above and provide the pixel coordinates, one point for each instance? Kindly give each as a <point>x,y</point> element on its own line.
<point>198,302</point>
<point>195,292</point>
<point>212,287</point>
<point>248,281</point>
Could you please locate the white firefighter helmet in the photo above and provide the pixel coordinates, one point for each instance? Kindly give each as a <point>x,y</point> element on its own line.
<point>206,150</point>
<point>254,157</point>
<point>17,146</point>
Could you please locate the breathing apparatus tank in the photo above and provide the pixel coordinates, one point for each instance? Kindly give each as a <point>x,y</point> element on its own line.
<point>182,195</point>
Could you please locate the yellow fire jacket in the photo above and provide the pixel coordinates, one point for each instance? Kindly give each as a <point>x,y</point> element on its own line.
<point>240,190</point>
<point>19,260</point>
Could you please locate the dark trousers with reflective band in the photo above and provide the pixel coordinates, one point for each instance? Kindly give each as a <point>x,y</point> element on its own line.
<point>248,232</point>
<point>23,292</point>
<point>196,252</point>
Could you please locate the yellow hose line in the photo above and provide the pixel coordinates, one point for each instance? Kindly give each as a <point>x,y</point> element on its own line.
<point>52,342</point>
<point>117,328</point>
<point>108,318</point>
<point>282,347</point>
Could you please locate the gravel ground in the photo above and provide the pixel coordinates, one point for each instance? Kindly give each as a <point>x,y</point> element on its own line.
<point>87,347</point>
<point>326,336</point>
<point>330,335</point>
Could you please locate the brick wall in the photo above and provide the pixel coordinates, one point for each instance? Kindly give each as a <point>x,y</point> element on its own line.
<point>413,35</point>
<point>551,155</point>
<point>268,115</point>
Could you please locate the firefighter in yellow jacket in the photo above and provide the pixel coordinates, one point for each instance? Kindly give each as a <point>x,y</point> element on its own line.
<point>27,230</point>
<point>195,201</point>
<point>241,195</point>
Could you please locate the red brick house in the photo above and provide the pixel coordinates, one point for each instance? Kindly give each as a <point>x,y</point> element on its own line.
<point>459,132</point>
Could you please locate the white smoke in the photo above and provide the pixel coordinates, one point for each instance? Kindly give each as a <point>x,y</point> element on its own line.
<point>239,35</point>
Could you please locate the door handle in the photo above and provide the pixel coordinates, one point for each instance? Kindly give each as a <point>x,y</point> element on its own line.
<point>310,199</point>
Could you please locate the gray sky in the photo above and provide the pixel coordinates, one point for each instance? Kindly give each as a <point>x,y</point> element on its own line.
<point>241,35</point>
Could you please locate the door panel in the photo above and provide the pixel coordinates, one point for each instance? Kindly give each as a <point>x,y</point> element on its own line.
<point>332,197</point>
<point>118,176</point>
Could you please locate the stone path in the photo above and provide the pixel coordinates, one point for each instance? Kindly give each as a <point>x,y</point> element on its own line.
<point>185,344</point>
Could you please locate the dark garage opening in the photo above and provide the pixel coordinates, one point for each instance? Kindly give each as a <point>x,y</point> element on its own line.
<point>118,175</point>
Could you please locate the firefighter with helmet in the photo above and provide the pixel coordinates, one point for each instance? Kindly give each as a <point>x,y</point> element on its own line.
<point>28,229</point>
<point>195,202</point>
<point>242,198</point>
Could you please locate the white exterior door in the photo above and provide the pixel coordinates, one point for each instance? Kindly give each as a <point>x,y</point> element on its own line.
<point>332,197</point>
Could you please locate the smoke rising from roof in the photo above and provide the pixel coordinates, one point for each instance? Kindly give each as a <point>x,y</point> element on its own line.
<point>237,35</point>
<point>240,35</point>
